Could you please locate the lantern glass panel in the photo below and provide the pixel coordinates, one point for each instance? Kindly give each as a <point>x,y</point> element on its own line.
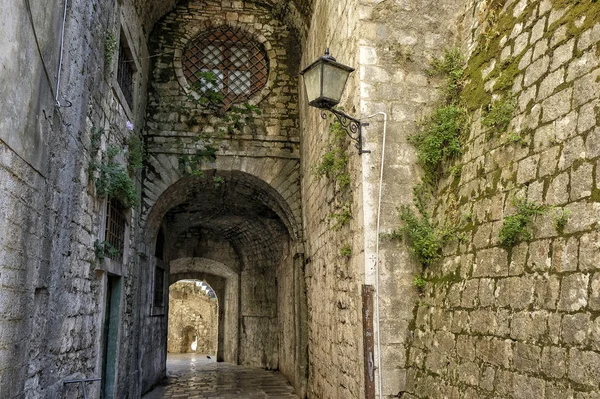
<point>334,80</point>
<point>312,82</point>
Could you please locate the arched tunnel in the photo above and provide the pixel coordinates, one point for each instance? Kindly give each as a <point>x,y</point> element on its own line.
<point>236,232</point>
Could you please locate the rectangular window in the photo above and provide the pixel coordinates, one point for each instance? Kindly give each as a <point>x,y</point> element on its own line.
<point>159,286</point>
<point>114,234</point>
<point>125,71</point>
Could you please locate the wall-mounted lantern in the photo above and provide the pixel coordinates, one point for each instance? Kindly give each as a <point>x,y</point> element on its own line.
<point>324,81</point>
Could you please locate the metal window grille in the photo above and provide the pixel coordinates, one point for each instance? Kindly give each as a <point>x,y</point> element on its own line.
<point>115,229</point>
<point>237,65</point>
<point>125,74</point>
<point>159,286</point>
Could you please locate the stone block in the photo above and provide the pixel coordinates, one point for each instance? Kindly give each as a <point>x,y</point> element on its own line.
<point>594,300</point>
<point>540,48</point>
<point>394,381</point>
<point>581,181</point>
<point>574,330</point>
<point>589,251</point>
<point>562,54</point>
<point>554,323</point>
<point>526,358</point>
<point>550,83</point>
<point>588,38</point>
<point>584,367</point>
<point>468,373</point>
<point>514,292</point>
<point>486,292</point>
<point>538,30</point>
<point>565,254</point>
<point>529,326</point>
<point>574,292</point>
<point>553,361</point>
<point>545,291</point>
<point>582,65</point>
<point>560,34</point>
<point>482,322</point>
<point>503,385</point>
<point>592,144</point>
<point>539,256</point>
<point>573,150</point>
<point>491,263</point>
<point>556,193</point>
<point>527,169</point>
<point>557,105</point>
<point>559,390</point>
<point>495,351</point>
<point>536,70</point>
<point>518,259</point>
<point>586,88</point>
<point>470,294</point>
<point>482,236</point>
<point>587,117</point>
<point>465,347</point>
<point>525,387</point>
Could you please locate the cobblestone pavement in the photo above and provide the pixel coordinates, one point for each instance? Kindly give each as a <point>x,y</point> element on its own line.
<point>193,376</point>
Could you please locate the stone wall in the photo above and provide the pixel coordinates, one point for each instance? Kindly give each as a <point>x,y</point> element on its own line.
<point>53,286</point>
<point>192,318</point>
<point>519,321</point>
<point>333,280</point>
<point>391,44</point>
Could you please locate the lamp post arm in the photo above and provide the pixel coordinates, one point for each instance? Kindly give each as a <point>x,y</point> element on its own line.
<point>352,126</point>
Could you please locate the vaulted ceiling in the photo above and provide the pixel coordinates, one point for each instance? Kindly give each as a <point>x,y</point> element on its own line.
<point>151,11</point>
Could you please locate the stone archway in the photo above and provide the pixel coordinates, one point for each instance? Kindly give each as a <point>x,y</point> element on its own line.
<point>225,283</point>
<point>241,237</point>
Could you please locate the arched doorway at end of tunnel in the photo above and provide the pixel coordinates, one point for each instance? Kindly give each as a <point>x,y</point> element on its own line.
<point>193,318</point>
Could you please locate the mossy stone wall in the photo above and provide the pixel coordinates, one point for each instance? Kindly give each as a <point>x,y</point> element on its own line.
<point>520,321</point>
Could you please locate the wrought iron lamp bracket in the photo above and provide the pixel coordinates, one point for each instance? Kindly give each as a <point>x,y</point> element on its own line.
<point>352,126</point>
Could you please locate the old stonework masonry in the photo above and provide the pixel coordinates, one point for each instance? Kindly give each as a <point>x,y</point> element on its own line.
<point>149,144</point>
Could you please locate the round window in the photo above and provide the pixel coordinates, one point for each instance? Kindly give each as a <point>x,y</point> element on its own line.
<point>226,65</point>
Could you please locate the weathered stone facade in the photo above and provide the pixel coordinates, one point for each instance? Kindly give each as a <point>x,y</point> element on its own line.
<point>287,249</point>
<point>192,319</point>
<point>519,322</point>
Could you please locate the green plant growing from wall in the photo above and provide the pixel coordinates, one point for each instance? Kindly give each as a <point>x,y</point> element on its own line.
<point>234,116</point>
<point>346,251</point>
<point>440,138</point>
<point>500,114</point>
<point>113,179</point>
<point>422,239</point>
<point>334,163</point>
<point>451,65</point>
<point>136,153</point>
<point>110,49</point>
<point>516,227</point>
<point>104,249</point>
<point>341,218</point>
<point>560,218</point>
<point>440,141</point>
<point>514,137</point>
<point>193,164</point>
<point>419,282</point>
<point>95,140</point>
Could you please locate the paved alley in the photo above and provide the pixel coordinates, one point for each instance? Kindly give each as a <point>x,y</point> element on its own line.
<point>193,376</point>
